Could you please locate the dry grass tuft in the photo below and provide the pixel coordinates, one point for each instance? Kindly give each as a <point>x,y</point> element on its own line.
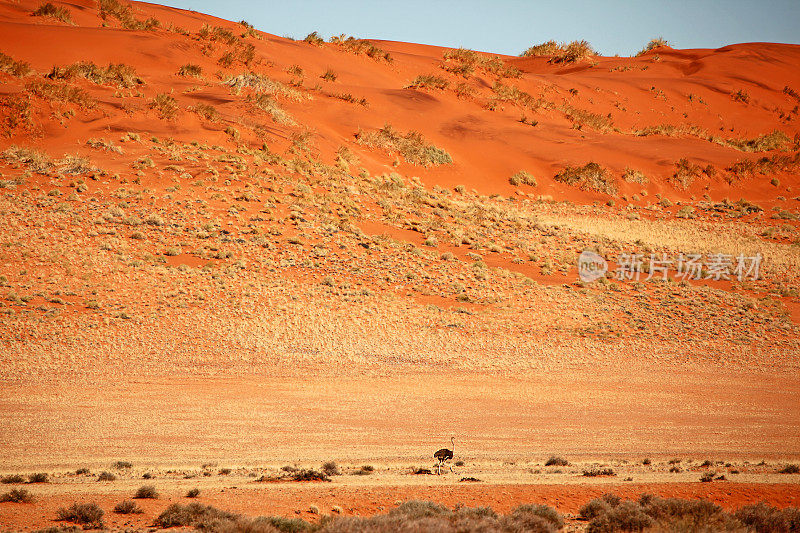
<point>589,177</point>
<point>561,53</point>
<point>658,42</point>
<point>165,105</point>
<point>119,75</point>
<point>10,66</point>
<point>464,62</point>
<point>264,85</point>
<point>428,81</point>
<point>54,12</point>
<point>124,14</point>
<point>412,146</point>
<point>360,46</point>
<point>190,69</point>
<point>60,92</point>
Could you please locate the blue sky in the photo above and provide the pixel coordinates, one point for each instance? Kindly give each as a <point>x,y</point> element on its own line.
<point>509,26</point>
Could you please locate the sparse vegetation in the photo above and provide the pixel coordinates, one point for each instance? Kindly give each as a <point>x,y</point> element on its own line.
<point>329,75</point>
<point>330,468</point>
<point>314,38</point>
<point>106,476</point>
<point>12,479</point>
<point>412,146</point>
<point>39,477</point>
<point>193,493</point>
<point>556,460</point>
<point>740,95</point>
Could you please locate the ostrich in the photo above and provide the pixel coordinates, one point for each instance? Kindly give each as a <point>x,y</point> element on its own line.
<point>444,455</point>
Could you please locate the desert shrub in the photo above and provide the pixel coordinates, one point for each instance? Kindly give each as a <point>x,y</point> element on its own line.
<point>217,33</point>
<point>790,469</point>
<point>523,512</point>
<point>412,146</point>
<point>627,516</point>
<point>707,476</point>
<point>556,460</point>
<point>596,472</point>
<point>106,476</point>
<point>428,81</point>
<point>775,140</point>
<point>165,105</point>
<point>116,74</point>
<point>310,475</point>
<point>589,177</point>
<point>330,468</point>
<point>12,478</point>
<point>593,509</point>
<point>419,509</point>
<point>39,477</point>
<point>658,42</point>
<point>17,496</point>
<point>190,69</point>
<point>86,514</point>
<point>192,514</point>
<point>127,507</point>
<point>522,178</point>
<point>146,492</point>
<point>53,12</point>
<point>193,493</point>
<point>10,66</point>
<point>60,92</point>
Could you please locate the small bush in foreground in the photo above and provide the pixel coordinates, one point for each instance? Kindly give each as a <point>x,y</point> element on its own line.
<point>127,507</point>
<point>192,515</point>
<point>86,514</point>
<point>16,496</point>
<point>193,493</point>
